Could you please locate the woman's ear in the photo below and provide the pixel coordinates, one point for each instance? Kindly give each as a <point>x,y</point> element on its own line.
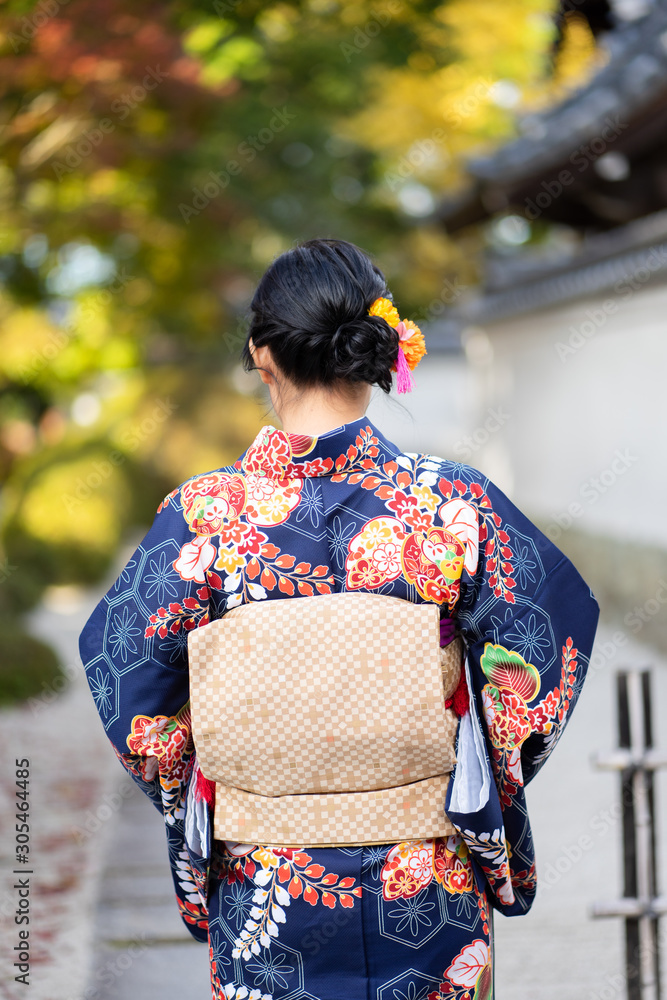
<point>263,361</point>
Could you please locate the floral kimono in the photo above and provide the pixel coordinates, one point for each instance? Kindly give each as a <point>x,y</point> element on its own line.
<point>298,516</point>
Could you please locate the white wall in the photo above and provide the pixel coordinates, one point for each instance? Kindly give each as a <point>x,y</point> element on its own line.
<point>588,427</point>
<point>437,413</point>
<point>579,395</point>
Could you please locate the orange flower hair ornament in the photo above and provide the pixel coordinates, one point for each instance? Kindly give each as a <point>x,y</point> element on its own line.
<point>411,346</point>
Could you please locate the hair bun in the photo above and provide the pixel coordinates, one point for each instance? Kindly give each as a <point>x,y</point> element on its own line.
<point>364,350</point>
<point>306,294</point>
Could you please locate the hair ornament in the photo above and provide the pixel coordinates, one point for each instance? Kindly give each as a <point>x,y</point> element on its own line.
<point>411,346</point>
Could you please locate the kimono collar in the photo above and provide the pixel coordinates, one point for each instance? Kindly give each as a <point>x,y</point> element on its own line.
<point>355,446</point>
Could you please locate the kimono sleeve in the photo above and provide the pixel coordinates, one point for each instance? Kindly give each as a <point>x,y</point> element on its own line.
<point>529,621</point>
<point>134,651</point>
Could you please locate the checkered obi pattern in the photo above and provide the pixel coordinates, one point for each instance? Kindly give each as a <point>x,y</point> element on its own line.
<point>322,720</point>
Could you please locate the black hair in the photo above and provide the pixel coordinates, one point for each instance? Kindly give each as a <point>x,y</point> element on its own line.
<point>311,309</point>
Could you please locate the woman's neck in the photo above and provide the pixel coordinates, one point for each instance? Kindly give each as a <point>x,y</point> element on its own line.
<point>317,411</point>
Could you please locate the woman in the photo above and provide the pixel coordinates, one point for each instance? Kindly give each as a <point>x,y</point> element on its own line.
<point>325,505</point>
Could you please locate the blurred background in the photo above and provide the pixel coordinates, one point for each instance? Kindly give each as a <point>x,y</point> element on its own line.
<point>505,163</point>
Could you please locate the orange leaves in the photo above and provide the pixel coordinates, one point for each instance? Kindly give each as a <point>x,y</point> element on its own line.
<point>310,895</point>
<point>391,468</point>
<point>285,561</point>
<point>371,482</point>
<point>384,492</point>
<point>295,888</point>
<point>312,882</point>
<point>270,577</point>
<point>404,479</point>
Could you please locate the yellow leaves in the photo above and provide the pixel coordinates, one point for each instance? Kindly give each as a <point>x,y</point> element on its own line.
<point>207,35</point>
<point>28,344</point>
<point>578,57</point>
<point>507,40</point>
<point>164,266</point>
<point>277,22</point>
<point>266,245</point>
<point>241,56</point>
<point>77,503</point>
<point>423,120</point>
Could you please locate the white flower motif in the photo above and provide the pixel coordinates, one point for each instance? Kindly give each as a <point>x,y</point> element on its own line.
<point>420,864</point>
<point>387,557</point>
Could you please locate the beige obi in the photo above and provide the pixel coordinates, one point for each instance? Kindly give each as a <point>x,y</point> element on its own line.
<point>322,720</point>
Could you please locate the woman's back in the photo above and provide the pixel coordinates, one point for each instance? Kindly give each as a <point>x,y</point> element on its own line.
<point>302,515</point>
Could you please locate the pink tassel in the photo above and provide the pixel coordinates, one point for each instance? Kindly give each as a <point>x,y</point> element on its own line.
<point>204,788</point>
<point>404,380</point>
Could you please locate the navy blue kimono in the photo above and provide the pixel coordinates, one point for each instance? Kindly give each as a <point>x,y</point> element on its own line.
<point>298,516</point>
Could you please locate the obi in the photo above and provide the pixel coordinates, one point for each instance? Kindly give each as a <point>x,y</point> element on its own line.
<point>322,720</point>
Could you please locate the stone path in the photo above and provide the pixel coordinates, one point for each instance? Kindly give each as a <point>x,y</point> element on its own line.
<point>142,948</point>
<point>104,921</point>
<point>71,770</point>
